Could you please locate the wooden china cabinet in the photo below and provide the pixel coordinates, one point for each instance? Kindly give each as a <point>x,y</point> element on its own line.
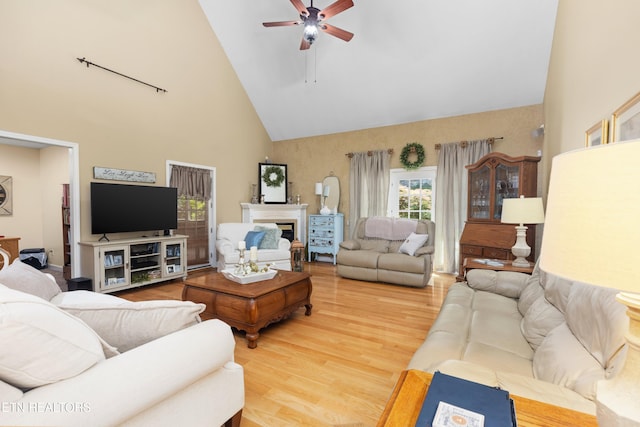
<point>492,179</point>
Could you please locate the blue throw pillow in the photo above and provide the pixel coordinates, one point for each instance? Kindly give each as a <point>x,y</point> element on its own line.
<point>253,238</point>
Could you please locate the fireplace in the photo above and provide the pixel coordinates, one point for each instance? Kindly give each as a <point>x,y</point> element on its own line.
<point>291,219</point>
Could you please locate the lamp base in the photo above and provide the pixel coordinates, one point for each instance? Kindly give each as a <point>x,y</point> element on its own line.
<point>617,399</point>
<point>521,250</point>
<point>325,211</point>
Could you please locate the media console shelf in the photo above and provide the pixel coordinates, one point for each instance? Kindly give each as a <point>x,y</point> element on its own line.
<point>123,264</point>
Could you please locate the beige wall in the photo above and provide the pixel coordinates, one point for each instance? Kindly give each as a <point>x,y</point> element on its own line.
<point>204,118</point>
<point>311,159</point>
<point>594,69</point>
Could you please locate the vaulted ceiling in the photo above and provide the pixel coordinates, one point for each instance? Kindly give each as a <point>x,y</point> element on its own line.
<point>410,60</point>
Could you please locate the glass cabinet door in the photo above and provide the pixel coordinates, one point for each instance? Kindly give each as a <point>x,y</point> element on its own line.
<point>507,186</point>
<point>115,269</point>
<point>480,193</point>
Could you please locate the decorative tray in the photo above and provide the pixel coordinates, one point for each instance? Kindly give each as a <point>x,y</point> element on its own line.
<point>249,278</point>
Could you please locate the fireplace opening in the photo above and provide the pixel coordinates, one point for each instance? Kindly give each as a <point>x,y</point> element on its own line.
<point>288,230</point>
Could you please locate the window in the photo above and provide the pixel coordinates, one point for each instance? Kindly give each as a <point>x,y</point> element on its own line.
<point>411,193</point>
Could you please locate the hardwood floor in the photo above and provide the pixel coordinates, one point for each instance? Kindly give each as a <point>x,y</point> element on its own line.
<point>338,366</point>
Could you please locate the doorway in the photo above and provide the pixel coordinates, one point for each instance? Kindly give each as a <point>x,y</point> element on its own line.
<point>36,142</point>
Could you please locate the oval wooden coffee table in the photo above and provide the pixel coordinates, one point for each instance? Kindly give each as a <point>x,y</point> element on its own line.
<point>253,306</point>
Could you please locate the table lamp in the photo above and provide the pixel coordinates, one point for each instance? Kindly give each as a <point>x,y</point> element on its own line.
<point>591,235</point>
<point>319,193</point>
<point>522,210</point>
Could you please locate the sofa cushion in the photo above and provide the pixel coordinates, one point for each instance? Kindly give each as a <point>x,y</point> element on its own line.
<point>540,319</point>
<point>253,238</point>
<point>401,262</point>
<point>360,258</point>
<point>375,245</point>
<point>532,291</point>
<point>506,283</point>
<point>41,343</point>
<point>127,324</point>
<point>271,237</point>
<point>603,334</point>
<point>562,360</point>
<point>412,243</point>
<point>22,277</point>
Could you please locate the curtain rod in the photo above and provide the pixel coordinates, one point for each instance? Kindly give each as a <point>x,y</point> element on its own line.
<point>464,143</point>
<point>84,61</point>
<point>369,153</point>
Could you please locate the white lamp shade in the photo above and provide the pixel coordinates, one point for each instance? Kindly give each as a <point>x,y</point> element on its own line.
<point>522,210</point>
<point>318,189</point>
<point>592,227</point>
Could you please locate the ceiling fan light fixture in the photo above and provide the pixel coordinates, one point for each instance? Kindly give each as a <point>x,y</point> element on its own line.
<point>310,32</point>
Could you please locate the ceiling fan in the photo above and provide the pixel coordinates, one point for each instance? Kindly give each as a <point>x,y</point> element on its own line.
<point>313,20</point>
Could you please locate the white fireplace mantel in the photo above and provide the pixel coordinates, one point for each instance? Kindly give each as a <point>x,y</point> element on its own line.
<point>278,213</point>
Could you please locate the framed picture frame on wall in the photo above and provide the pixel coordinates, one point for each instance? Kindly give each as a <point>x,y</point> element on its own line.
<point>625,121</point>
<point>597,134</point>
<point>6,195</point>
<point>273,182</point>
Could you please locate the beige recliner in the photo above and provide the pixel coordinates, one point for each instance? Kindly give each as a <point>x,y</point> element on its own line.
<point>384,250</point>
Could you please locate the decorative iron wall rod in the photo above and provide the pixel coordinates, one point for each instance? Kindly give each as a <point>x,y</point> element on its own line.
<point>464,143</point>
<point>369,153</point>
<point>84,61</point>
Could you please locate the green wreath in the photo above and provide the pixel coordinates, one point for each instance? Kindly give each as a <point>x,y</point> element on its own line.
<point>408,150</point>
<point>273,176</point>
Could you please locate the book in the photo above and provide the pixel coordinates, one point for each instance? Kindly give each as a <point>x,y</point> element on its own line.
<point>494,404</point>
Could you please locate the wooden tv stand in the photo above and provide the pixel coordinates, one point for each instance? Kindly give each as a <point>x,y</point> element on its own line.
<point>128,263</point>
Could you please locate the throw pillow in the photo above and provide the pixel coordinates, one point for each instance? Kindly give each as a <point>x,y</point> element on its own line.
<point>43,344</point>
<point>253,238</point>
<point>125,324</point>
<point>412,243</point>
<point>271,238</point>
<point>22,277</point>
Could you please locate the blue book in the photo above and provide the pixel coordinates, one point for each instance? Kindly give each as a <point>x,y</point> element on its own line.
<point>494,403</point>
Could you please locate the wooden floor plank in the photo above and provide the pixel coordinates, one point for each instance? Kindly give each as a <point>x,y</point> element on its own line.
<point>338,366</point>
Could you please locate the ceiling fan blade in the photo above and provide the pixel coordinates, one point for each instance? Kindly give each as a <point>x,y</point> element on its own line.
<point>304,45</point>
<point>336,32</point>
<point>300,7</point>
<point>334,8</point>
<point>281,23</point>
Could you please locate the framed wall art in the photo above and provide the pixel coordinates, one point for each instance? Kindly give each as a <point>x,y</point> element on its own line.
<point>273,182</point>
<point>6,195</point>
<point>626,121</point>
<point>597,134</point>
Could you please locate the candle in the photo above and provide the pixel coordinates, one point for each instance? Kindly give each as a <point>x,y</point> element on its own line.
<point>253,256</point>
<point>242,245</point>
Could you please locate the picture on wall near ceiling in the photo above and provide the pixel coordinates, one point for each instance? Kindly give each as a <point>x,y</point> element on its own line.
<point>597,134</point>
<point>273,182</point>
<point>6,195</point>
<point>626,121</point>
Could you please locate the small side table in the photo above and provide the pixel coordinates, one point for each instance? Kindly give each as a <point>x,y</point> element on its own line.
<point>472,263</point>
<point>405,403</point>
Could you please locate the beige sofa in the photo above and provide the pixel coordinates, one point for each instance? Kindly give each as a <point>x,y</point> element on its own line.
<point>161,366</point>
<point>377,251</point>
<point>537,336</point>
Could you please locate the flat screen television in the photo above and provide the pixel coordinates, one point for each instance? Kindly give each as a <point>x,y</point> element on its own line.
<point>121,208</point>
